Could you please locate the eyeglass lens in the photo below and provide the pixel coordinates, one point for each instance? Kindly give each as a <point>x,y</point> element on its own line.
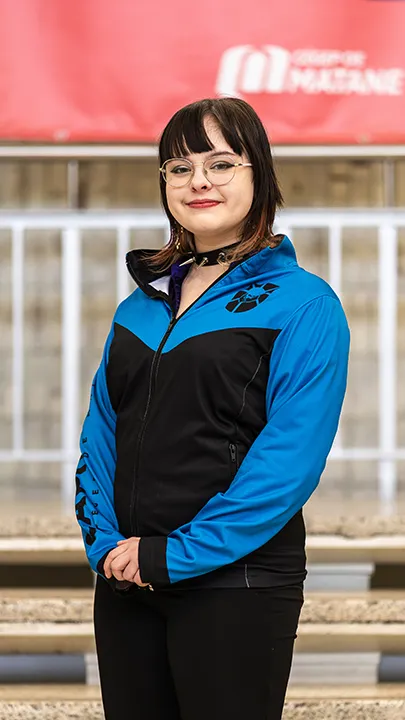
<point>218,171</point>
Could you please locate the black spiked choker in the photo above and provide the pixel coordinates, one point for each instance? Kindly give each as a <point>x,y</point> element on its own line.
<point>212,257</point>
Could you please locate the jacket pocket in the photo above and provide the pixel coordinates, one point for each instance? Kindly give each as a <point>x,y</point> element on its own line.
<point>233,458</point>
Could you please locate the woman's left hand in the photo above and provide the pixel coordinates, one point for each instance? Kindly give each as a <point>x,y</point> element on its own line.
<point>123,563</point>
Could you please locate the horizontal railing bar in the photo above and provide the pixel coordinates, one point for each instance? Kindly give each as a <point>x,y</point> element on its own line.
<point>155,219</point>
<point>95,151</point>
<point>366,454</point>
<point>58,220</point>
<point>327,218</point>
<point>37,456</point>
<point>338,151</point>
<point>336,454</point>
<point>25,152</point>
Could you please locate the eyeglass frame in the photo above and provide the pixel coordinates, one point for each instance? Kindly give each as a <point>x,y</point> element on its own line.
<point>193,165</point>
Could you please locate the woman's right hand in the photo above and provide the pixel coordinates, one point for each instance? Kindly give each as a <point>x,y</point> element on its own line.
<point>109,570</point>
<point>122,561</point>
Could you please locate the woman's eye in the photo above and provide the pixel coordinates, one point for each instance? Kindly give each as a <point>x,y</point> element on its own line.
<point>180,170</point>
<point>221,166</point>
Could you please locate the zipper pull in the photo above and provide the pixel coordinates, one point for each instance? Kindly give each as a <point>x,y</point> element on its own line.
<point>232,450</point>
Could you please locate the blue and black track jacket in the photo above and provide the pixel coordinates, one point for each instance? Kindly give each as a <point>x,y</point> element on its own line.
<point>207,434</point>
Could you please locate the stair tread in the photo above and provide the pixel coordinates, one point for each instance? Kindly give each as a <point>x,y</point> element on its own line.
<point>321,549</point>
<point>383,691</point>
<point>66,692</point>
<point>64,605</point>
<point>32,693</point>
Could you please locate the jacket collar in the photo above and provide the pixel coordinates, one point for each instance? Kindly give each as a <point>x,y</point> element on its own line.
<point>261,263</point>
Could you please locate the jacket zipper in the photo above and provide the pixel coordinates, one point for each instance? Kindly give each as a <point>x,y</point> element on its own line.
<point>152,378</point>
<point>153,375</point>
<point>233,451</point>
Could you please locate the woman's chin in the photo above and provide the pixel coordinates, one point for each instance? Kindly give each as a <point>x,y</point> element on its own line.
<point>205,230</point>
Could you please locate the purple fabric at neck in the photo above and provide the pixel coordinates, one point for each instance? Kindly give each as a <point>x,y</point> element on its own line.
<point>177,276</point>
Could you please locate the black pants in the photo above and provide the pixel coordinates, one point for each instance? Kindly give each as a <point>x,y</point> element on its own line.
<point>212,654</point>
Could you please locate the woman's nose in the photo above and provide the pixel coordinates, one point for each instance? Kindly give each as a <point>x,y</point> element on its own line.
<point>199,180</point>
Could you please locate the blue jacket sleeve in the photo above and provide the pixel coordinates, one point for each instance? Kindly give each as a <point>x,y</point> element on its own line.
<point>306,387</point>
<point>95,472</point>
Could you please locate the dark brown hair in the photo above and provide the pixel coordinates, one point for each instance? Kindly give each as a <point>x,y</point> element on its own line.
<point>243,131</point>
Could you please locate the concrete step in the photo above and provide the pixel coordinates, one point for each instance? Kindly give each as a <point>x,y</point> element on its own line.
<point>76,605</point>
<point>46,637</point>
<point>338,549</point>
<point>381,702</point>
<point>13,522</point>
<point>46,605</point>
<point>50,702</point>
<point>324,653</point>
<point>42,637</point>
<point>42,551</point>
<point>45,621</point>
<point>350,637</point>
<point>57,702</point>
<point>323,516</point>
<point>351,525</point>
<point>365,608</point>
<point>20,550</point>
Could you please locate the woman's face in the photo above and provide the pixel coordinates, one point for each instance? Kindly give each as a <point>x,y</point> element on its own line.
<point>218,223</point>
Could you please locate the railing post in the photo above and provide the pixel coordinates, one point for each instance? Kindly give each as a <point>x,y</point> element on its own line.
<point>388,270</point>
<point>335,258</point>
<point>18,337</point>
<point>71,291</point>
<point>166,234</point>
<point>335,280</point>
<point>123,285</point>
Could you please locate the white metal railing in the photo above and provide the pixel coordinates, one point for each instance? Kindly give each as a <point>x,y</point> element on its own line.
<point>132,150</point>
<point>71,224</point>
<point>387,222</point>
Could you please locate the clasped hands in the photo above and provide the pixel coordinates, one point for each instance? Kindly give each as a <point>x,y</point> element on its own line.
<point>123,562</point>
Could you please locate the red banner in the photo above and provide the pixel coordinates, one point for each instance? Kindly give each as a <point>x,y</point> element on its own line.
<point>319,71</point>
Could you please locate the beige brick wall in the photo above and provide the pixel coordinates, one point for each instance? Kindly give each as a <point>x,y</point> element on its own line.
<point>316,183</point>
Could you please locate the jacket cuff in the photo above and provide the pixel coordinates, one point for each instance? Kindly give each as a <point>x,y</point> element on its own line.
<point>152,560</point>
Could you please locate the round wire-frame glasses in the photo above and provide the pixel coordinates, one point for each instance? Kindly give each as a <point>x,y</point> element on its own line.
<point>178,172</point>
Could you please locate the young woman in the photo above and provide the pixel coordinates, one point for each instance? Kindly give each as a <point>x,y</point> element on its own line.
<point>211,418</point>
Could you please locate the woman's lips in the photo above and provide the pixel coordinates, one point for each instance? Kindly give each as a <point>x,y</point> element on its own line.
<point>199,205</point>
